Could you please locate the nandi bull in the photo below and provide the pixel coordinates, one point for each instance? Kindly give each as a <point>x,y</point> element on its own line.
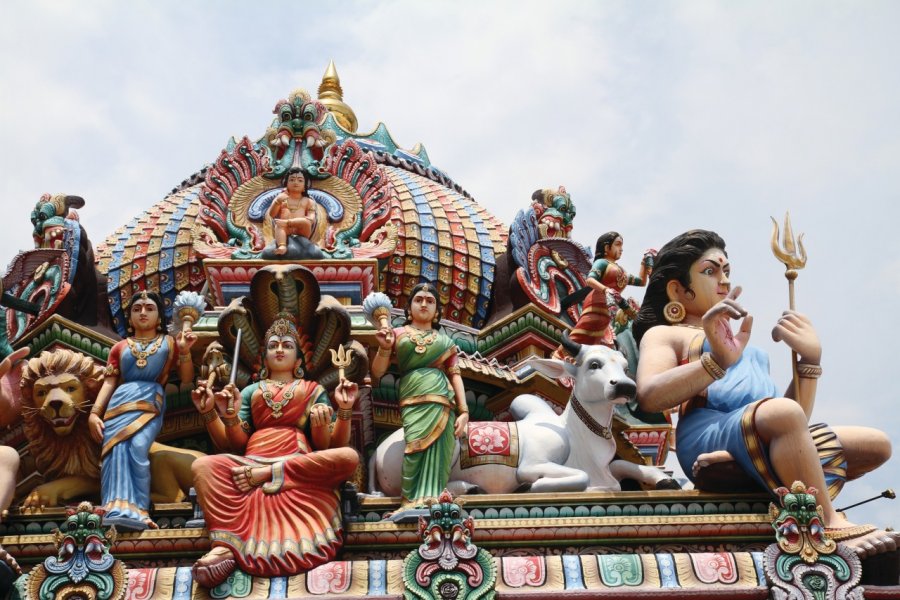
<point>541,451</point>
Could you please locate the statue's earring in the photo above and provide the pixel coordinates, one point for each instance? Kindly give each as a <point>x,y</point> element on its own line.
<point>674,312</point>
<point>263,372</point>
<point>298,370</point>
<point>159,326</point>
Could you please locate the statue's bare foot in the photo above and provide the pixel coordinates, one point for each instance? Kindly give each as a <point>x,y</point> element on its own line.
<point>281,249</point>
<point>709,458</point>
<point>150,524</point>
<point>214,567</point>
<point>865,540</point>
<point>247,478</point>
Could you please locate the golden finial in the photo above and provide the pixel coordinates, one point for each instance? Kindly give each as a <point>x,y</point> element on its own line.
<point>332,96</point>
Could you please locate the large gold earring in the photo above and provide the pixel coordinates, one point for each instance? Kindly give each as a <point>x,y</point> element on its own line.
<point>263,372</point>
<point>298,370</point>
<point>159,326</point>
<point>674,312</point>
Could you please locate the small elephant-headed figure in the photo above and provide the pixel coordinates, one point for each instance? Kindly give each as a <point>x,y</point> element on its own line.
<point>128,413</point>
<point>271,507</point>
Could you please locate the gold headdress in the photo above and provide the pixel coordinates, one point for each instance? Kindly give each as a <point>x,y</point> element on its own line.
<point>283,325</point>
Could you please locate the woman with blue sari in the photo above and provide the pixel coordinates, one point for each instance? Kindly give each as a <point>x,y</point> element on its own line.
<point>128,413</point>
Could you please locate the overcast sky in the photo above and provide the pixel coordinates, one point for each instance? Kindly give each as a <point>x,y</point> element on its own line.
<point>657,117</point>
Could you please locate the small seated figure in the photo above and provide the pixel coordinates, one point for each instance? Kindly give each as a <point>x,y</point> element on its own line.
<point>128,412</point>
<point>272,507</point>
<point>294,213</point>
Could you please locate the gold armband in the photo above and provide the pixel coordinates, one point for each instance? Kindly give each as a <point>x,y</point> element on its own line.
<point>231,421</point>
<point>806,371</point>
<point>711,366</point>
<point>110,371</point>
<point>454,370</point>
<point>345,414</point>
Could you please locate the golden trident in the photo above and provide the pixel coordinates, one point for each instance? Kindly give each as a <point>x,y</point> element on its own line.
<point>793,255</point>
<point>340,359</point>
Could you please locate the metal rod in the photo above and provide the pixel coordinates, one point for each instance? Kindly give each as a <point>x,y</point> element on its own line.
<point>234,365</point>
<point>888,493</point>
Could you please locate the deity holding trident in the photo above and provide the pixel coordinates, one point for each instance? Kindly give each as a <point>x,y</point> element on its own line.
<point>731,410</point>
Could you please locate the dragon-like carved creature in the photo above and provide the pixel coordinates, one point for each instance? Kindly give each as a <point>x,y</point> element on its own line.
<point>447,564</point>
<point>83,567</point>
<point>805,562</point>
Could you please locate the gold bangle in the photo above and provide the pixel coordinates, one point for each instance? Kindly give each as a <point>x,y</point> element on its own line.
<point>712,367</point>
<point>209,416</point>
<point>231,421</point>
<point>384,353</point>
<point>345,414</point>
<point>807,371</point>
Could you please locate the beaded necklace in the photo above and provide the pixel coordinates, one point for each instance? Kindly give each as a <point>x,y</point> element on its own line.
<point>142,353</point>
<point>268,395</point>
<point>422,339</point>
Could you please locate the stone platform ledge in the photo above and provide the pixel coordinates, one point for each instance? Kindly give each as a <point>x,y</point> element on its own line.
<point>710,575</point>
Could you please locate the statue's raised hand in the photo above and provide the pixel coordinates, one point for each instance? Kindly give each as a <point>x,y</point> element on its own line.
<point>796,330</point>
<point>346,393</point>
<point>184,341</point>
<point>203,398</point>
<point>229,396</point>
<point>385,338</point>
<point>726,347</point>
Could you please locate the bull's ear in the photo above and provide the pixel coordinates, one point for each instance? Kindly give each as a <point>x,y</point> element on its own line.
<point>553,368</point>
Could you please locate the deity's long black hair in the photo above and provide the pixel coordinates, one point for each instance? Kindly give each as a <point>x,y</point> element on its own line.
<point>428,287</point>
<point>603,241</point>
<point>160,307</point>
<point>673,262</point>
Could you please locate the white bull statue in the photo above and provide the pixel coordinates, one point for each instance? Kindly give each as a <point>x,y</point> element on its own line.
<point>541,451</point>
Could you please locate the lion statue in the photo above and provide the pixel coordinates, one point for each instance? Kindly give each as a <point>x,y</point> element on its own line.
<point>58,389</point>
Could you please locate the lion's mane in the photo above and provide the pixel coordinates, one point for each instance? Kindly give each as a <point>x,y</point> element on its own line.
<point>58,456</point>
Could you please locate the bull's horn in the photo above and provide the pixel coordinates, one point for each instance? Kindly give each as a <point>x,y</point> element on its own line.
<point>573,348</point>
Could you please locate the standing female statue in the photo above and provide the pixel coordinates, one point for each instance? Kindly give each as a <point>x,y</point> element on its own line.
<point>128,413</point>
<point>730,409</point>
<point>606,276</point>
<point>272,507</point>
<point>430,391</point>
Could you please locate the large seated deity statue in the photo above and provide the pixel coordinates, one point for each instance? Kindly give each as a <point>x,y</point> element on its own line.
<point>271,503</point>
<point>730,409</point>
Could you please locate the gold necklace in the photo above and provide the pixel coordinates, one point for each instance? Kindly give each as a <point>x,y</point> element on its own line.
<point>143,353</point>
<point>422,339</point>
<point>688,325</point>
<point>269,396</point>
